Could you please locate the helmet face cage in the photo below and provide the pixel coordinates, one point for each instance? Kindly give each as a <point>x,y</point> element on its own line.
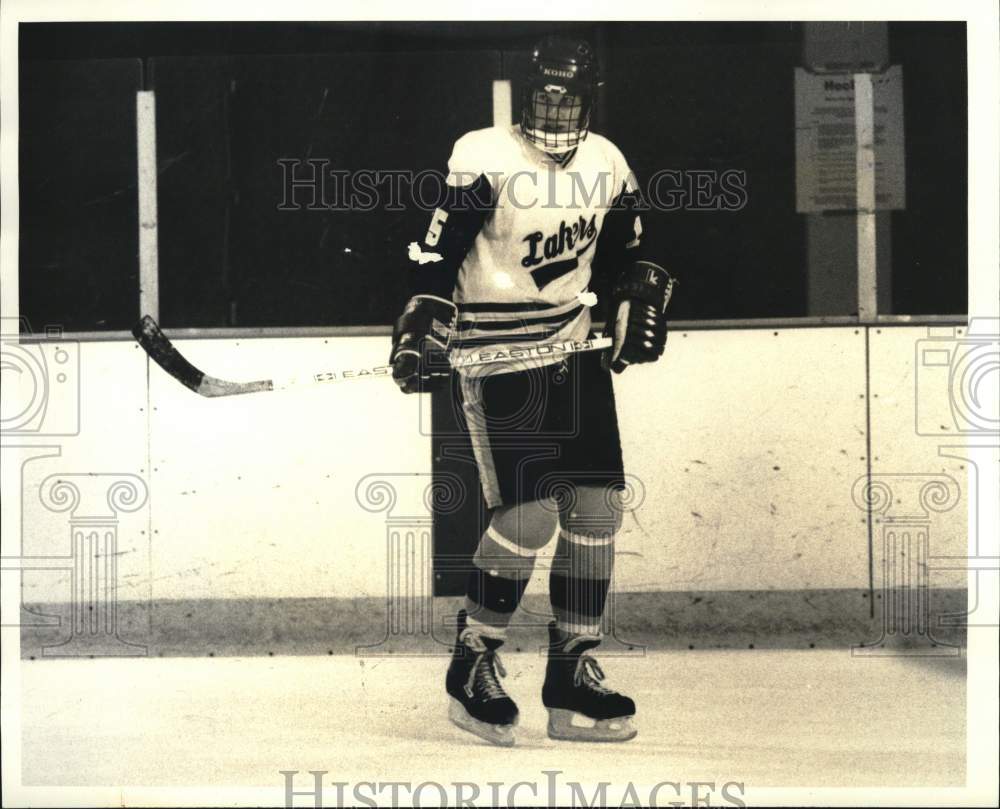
<point>558,95</point>
<point>555,119</point>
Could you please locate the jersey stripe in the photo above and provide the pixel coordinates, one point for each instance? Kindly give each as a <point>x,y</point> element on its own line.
<point>528,311</point>
<point>515,306</point>
<point>500,339</point>
<point>513,323</point>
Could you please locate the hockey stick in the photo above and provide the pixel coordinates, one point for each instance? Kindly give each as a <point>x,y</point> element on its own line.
<point>159,348</point>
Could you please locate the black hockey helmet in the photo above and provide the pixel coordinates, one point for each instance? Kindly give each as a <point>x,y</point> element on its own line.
<point>559,93</point>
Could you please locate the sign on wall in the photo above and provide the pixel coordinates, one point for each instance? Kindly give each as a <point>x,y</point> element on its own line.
<point>825,144</point>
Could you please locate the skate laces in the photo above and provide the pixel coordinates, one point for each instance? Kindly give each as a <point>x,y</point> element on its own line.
<point>487,665</point>
<point>588,672</point>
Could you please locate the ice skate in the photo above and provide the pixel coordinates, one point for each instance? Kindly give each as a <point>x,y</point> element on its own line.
<point>580,708</point>
<point>478,702</point>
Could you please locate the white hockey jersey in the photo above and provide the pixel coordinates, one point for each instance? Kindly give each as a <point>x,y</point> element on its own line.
<point>525,279</point>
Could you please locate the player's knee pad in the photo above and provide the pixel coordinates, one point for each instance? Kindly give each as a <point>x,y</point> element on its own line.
<point>529,525</point>
<point>593,512</point>
<point>514,537</point>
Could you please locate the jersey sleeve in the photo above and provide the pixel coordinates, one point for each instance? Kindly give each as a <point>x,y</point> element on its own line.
<point>467,200</point>
<point>470,157</point>
<point>620,170</point>
<point>620,242</point>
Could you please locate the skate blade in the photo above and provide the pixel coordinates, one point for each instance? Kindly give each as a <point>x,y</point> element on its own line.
<point>501,735</point>
<point>569,726</point>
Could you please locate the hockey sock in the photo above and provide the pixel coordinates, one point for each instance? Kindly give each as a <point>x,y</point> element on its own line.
<point>501,572</point>
<point>580,579</point>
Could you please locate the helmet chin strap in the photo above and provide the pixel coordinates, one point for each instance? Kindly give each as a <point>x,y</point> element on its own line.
<point>536,139</point>
<point>562,158</point>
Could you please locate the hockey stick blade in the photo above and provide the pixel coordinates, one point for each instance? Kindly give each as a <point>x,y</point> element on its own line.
<point>165,354</point>
<point>159,349</point>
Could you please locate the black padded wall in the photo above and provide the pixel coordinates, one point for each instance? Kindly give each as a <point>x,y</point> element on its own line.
<point>78,199</point>
<point>233,99</point>
<point>234,251</point>
<point>929,239</point>
<point>719,99</point>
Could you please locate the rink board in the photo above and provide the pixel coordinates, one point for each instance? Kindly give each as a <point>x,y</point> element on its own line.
<point>749,461</point>
<point>747,454</point>
<point>82,477</point>
<point>257,496</point>
<point>918,465</point>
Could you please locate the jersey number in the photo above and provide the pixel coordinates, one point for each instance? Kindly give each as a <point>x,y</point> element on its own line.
<point>434,231</point>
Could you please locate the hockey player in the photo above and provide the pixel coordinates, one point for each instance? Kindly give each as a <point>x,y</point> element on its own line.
<point>507,262</point>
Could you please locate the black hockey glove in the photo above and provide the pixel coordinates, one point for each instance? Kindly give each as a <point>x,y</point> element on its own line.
<point>419,357</point>
<point>637,319</point>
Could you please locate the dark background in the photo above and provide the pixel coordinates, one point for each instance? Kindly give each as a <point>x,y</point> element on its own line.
<point>234,98</point>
